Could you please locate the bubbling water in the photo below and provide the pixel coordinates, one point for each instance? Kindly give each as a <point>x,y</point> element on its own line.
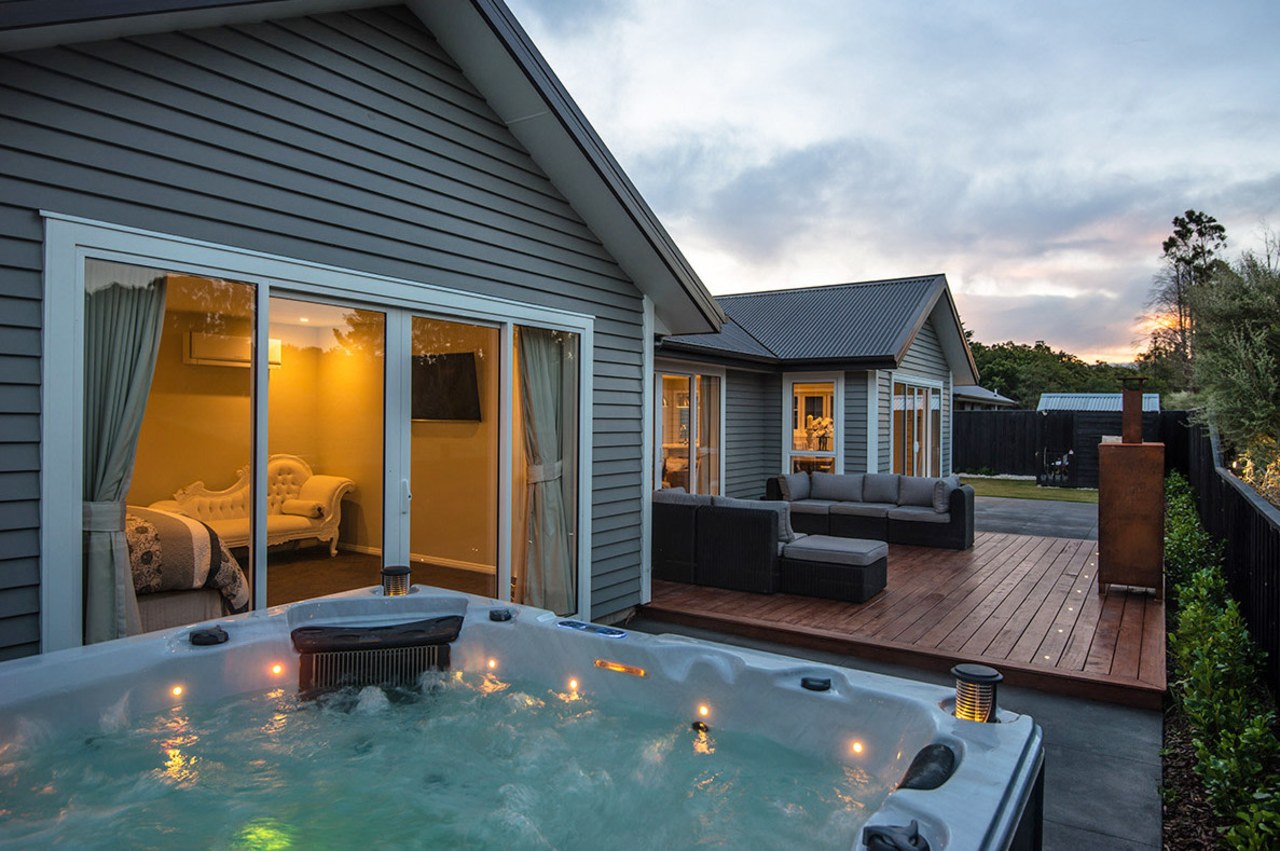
<point>462,762</point>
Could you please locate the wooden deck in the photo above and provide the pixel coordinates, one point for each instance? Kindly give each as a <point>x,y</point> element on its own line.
<point>1025,605</point>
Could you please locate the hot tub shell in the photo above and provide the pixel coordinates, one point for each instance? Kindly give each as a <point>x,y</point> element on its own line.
<point>991,801</point>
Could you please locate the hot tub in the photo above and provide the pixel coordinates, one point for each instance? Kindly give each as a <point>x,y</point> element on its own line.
<point>161,739</point>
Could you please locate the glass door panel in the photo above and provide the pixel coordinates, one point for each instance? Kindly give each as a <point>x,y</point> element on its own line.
<point>454,432</point>
<point>676,425</point>
<point>708,438</point>
<point>191,457</point>
<point>813,427</point>
<point>326,380</point>
<point>544,569</point>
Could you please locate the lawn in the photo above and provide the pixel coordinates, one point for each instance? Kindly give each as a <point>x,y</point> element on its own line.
<point>1027,489</point>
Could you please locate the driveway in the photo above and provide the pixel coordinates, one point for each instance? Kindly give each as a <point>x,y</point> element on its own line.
<point>1043,517</point>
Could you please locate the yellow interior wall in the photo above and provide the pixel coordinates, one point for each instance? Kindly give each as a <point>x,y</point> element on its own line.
<point>454,466</point>
<point>197,425</point>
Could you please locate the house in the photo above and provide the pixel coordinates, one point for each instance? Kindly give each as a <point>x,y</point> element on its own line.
<point>235,232</point>
<point>971,397</point>
<point>848,378</point>
<point>1094,402</point>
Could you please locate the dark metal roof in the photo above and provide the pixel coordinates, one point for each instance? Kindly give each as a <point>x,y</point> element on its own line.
<point>869,321</point>
<point>980,394</point>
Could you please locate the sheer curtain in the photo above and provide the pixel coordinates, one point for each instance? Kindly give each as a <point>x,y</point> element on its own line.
<point>549,563</point>
<point>123,319</point>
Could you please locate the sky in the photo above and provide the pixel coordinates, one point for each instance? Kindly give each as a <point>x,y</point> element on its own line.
<point>1034,153</point>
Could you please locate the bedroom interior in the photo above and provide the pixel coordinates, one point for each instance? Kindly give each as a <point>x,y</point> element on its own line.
<point>326,387</point>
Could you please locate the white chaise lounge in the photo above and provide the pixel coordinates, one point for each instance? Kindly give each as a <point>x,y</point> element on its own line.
<point>300,504</point>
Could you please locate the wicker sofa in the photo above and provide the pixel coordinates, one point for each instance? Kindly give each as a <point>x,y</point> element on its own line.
<point>745,545</point>
<point>928,512</point>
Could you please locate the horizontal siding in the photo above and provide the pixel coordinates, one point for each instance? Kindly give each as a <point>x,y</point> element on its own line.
<point>349,139</point>
<point>855,422</point>
<point>752,431</point>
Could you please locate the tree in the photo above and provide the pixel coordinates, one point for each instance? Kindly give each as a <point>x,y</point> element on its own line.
<point>1190,261</point>
<point>1023,372</point>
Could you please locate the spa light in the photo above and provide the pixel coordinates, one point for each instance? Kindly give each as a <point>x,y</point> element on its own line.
<point>277,669</point>
<point>395,580</point>
<point>704,711</point>
<point>176,691</point>
<point>620,668</point>
<point>573,684</point>
<point>492,663</point>
<point>856,747</point>
<point>976,692</point>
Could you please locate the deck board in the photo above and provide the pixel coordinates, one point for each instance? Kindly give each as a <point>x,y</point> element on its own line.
<point>1026,605</point>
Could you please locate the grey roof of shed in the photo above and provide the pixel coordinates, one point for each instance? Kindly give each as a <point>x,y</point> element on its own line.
<point>869,324</point>
<point>981,394</point>
<point>496,54</point>
<point>1093,402</point>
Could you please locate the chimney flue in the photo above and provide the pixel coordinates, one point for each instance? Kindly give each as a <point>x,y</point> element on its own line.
<point>1131,418</point>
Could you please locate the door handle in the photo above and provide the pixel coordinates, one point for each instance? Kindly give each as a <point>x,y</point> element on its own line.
<point>406,496</point>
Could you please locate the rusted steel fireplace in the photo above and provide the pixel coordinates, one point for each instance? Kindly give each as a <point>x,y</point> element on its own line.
<point>1131,503</point>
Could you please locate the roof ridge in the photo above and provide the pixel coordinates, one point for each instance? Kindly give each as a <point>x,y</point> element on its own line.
<point>812,287</point>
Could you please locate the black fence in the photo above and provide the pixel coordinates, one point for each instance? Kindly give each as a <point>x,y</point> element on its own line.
<point>1058,447</point>
<point>1250,526</point>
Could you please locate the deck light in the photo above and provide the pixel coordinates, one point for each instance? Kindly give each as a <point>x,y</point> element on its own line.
<point>395,580</point>
<point>976,692</point>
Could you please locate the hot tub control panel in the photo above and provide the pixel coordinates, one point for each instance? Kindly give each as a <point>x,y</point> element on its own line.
<point>594,629</point>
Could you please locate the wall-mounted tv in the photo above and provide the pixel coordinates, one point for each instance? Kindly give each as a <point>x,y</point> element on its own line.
<point>445,388</point>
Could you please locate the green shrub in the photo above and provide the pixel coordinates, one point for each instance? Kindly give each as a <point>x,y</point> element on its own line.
<point>1217,681</point>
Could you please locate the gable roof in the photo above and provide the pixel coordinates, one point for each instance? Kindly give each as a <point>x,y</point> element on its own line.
<point>869,325</point>
<point>489,45</point>
<point>1093,402</point>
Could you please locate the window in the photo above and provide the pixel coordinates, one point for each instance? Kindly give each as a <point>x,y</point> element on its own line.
<point>688,430</point>
<point>812,438</point>
<point>917,429</point>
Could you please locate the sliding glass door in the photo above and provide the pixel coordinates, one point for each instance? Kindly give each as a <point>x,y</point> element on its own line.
<point>917,429</point>
<point>688,431</point>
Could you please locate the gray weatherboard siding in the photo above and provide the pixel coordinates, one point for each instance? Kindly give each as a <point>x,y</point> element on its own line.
<point>752,431</point>
<point>347,139</point>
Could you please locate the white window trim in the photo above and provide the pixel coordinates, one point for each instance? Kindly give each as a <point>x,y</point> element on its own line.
<point>789,379</point>
<point>690,370</point>
<point>917,381</point>
<point>69,240</point>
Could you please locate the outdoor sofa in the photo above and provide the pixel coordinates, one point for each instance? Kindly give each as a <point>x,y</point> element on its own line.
<point>928,512</point>
<point>749,545</point>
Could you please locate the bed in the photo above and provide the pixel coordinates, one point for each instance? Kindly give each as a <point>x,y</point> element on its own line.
<point>182,571</point>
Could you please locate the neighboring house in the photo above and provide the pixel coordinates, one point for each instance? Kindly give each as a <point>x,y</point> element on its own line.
<point>329,198</point>
<point>846,378</point>
<point>971,397</point>
<point>1098,402</point>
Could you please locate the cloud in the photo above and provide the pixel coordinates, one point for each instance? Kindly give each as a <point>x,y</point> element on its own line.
<point>1034,153</point>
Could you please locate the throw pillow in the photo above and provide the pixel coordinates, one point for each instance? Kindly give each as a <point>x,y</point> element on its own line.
<point>846,487</point>
<point>880,487</point>
<point>942,493</point>
<point>794,486</point>
<point>915,490</point>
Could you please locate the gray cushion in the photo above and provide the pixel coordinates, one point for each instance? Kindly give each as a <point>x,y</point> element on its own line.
<point>856,552</point>
<point>863,509</point>
<point>845,487</point>
<point>783,509</point>
<point>880,487</point>
<point>679,496</point>
<point>813,506</point>
<point>919,514</point>
<point>915,490</point>
<point>794,486</point>
<point>942,493</point>
<point>783,546</point>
